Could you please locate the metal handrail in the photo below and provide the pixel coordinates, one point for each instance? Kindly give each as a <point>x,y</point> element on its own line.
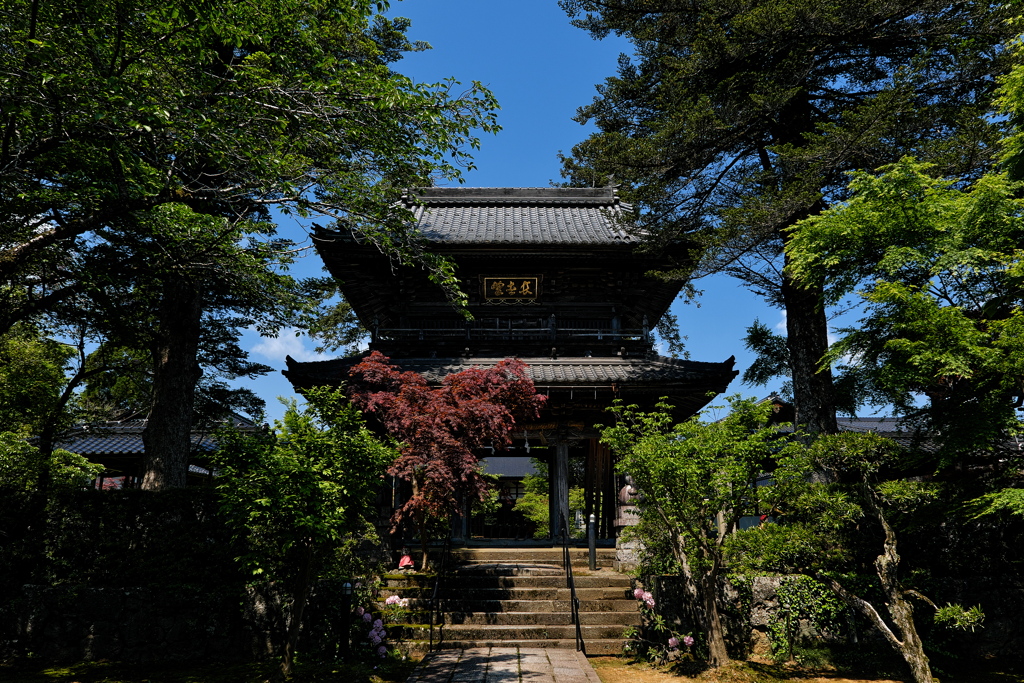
<point>570,579</point>
<point>434,602</point>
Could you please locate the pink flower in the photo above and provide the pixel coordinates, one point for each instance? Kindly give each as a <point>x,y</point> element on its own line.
<point>638,593</point>
<point>648,599</point>
<point>360,611</point>
<point>359,584</point>
<point>688,641</point>
<point>392,600</point>
<point>673,643</point>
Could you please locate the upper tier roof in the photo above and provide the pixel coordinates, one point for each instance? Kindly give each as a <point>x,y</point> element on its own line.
<point>520,215</point>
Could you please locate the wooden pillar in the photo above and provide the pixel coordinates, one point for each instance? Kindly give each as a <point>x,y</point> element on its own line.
<point>560,489</point>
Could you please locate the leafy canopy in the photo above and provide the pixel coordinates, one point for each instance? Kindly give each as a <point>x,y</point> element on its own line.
<point>300,489</point>
<point>112,110</point>
<point>938,266</point>
<point>698,478</point>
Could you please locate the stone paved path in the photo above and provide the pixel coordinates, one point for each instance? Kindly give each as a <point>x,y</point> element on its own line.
<point>505,665</point>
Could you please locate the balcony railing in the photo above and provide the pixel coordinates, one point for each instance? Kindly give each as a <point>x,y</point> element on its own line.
<point>513,334</point>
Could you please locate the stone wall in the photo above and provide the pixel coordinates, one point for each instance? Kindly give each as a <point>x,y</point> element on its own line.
<point>748,612</point>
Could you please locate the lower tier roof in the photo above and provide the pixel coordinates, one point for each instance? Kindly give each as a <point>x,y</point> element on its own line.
<point>687,383</point>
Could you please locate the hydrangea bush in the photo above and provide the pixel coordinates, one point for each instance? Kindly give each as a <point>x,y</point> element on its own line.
<point>654,640</point>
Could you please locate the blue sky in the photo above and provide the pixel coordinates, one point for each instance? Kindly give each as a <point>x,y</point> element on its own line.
<point>541,69</point>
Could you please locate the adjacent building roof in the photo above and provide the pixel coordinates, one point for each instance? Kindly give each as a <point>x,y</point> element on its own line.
<point>119,441</point>
<point>521,215</point>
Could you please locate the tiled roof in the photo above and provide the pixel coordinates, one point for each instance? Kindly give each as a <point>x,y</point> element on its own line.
<point>576,371</point>
<point>105,443</point>
<point>542,215</point>
<point>125,438</point>
<point>567,372</point>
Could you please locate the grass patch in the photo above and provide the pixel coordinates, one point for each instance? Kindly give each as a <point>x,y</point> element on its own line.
<point>27,671</point>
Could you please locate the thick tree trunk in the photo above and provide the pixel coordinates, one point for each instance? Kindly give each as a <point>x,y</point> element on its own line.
<point>807,339</point>
<point>718,655</point>
<point>167,437</point>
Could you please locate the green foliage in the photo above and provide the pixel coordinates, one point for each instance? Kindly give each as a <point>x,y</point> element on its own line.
<point>772,355</point>
<point>116,110</point>
<point>302,489</point>
<point>174,539</point>
<point>697,479</point>
<point>693,471</point>
<point>1005,500</point>
<point>536,508</point>
<point>32,378</point>
<point>937,266</point>
<point>22,465</point>
<point>654,555</point>
<point>802,603</point>
<point>958,617</point>
<point>535,505</point>
<point>292,497</point>
<point>729,122</point>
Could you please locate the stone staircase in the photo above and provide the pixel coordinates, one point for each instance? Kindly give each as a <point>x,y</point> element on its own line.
<point>502,597</point>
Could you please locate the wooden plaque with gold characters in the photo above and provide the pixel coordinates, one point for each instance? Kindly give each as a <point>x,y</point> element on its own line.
<point>500,289</point>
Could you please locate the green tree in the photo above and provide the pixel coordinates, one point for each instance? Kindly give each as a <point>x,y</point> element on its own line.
<point>736,120</point>
<point>146,143</point>
<point>112,110</point>
<point>937,264</point>
<point>291,497</point>
<point>847,519</point>
<point>697,479</point>
<point>32,378</point>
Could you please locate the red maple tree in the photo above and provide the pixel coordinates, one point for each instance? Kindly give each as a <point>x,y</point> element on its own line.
<point>441,429</point>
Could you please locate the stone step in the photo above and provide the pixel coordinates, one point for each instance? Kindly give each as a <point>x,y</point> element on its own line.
<point>509,569</point>
<point>544,618</point>
<point>589,594</point>
<point>526,618</point>
<point>552,556</point>
<point>490,594</point>
<point>507,633</point>
<point>472,605</point>
<point>473,581</point>
<point>603,646</point>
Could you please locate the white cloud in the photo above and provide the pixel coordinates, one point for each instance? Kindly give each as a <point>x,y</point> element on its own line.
<point>781,325</point>
<point>284,344</point>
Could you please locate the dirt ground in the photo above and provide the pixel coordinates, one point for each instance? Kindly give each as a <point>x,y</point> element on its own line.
<point>620,670</point>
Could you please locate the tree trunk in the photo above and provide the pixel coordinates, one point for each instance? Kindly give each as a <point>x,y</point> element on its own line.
<point>718,655</point>
<point>900,608</point>
<point>303,585</point>
<point>424,543</point>
<point>807,339</point>
<point>908,643</point>
<point>167,437</point>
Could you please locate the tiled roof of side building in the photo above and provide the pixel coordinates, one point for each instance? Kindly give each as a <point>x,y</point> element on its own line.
<point>521,216</point>
<point>120,444</point>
